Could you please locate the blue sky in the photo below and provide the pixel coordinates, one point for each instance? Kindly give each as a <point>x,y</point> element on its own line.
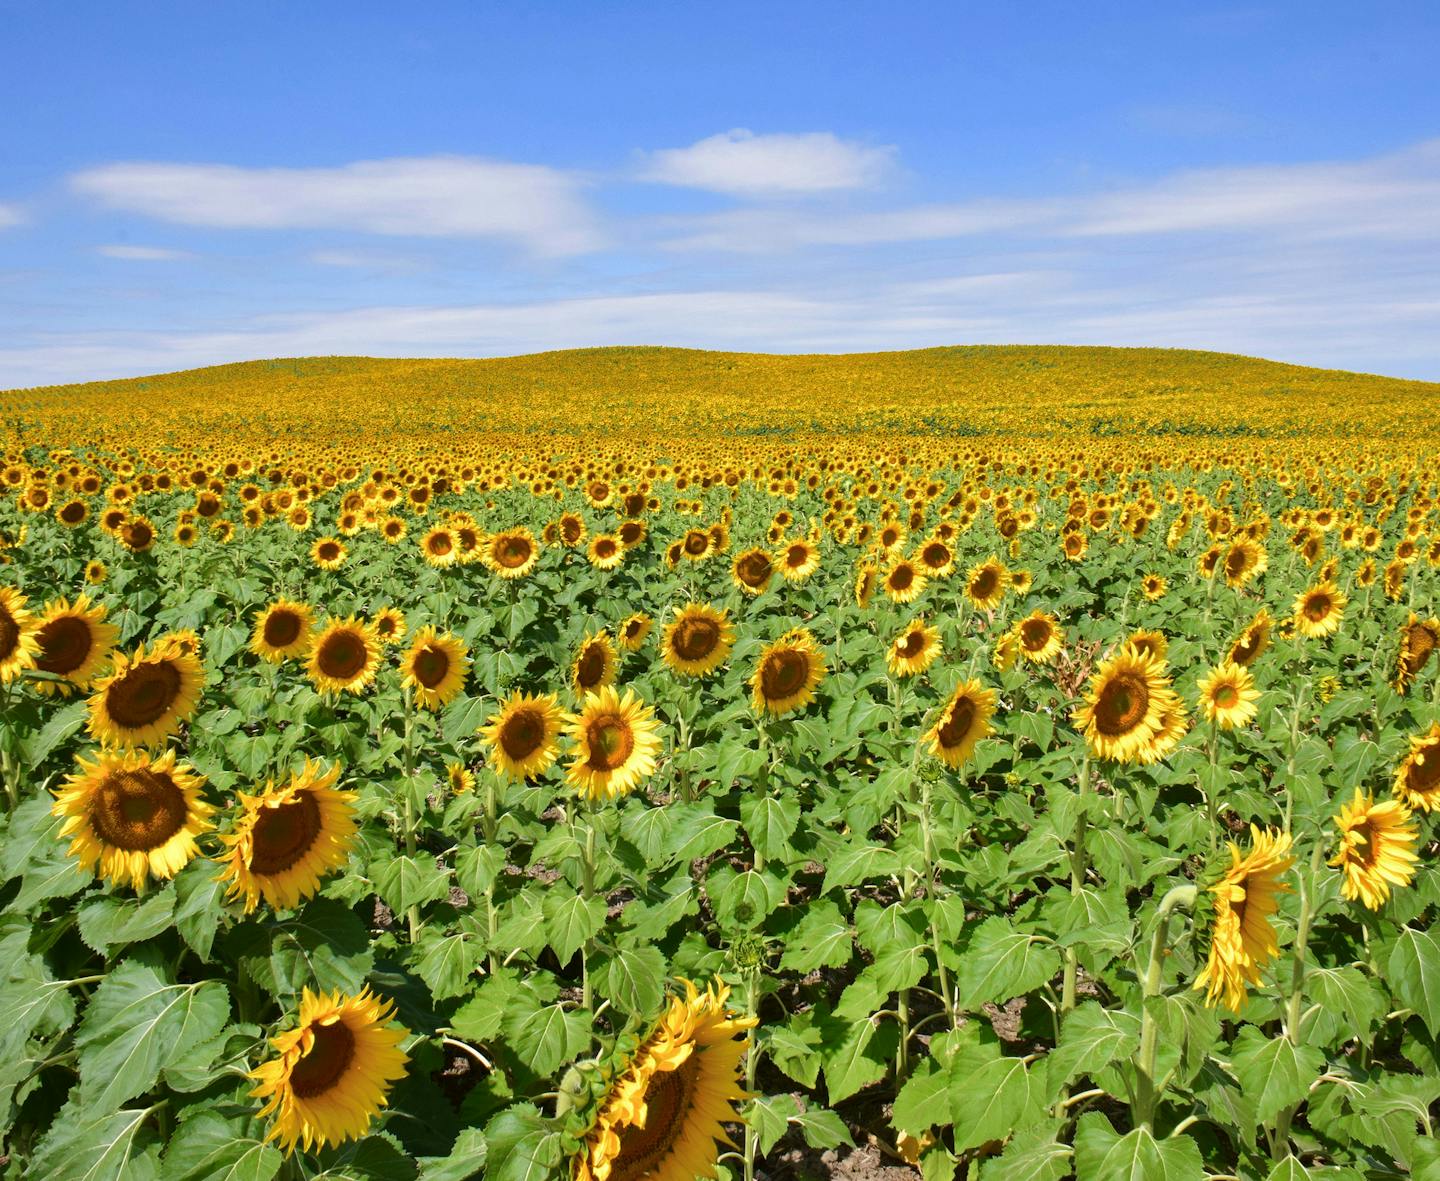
<point>185,184</point>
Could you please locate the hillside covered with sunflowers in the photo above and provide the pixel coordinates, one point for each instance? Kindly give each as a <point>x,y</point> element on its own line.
<point>987,763</point>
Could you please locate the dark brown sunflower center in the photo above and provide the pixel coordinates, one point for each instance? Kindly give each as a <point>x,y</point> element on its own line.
<point>605,547</point>
<point>958,720</point>
<point>1034,634</point>
<point>144,694</point>
<point>325,1065</point>
<point>695,638</point>
<point>282,628</point>
<point>570,529</point>
<point>889,538</point>
<point>441,544</point>
<point>1420,643</point>
<point>65,644</point>
<point>901,578</point>
<point>611,741</point>
<point>1423,774</point>
<point>935,555</point>
<point>1366,851</point>
<point>9,633</point>
<point>329,551</point>
<point>796,556</point>
<point>1124,701</point>
<point>512,552</point>
<point>669,1100</point>
<point>1317,606</point>
<point>753,569</point>
<point>913,644</point>
<point>630,532</point>
<point>137,810</point>
<point>1237,561</point>
<point>783,674</point>
<point>283,835</point>
<point>73,513</point>
<point>984,584</point>
<point>430,666</point>
<point>633,628</point>
<point>139,534</point>
<point>522,734</point>
<point>342,657</point>
<point>590,668</point>
<point>696,543</point>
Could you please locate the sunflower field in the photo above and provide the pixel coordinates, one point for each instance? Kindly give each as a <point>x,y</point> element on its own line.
<point>1008,765</point>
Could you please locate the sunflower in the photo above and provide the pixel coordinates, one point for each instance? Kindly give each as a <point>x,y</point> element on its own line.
<point>594,664</point>
<point>963,722</point>
<point>1153,587</point>
<point>697,640</point>
<point>18,645</point>
<point>570,529</point>
<point>936,558</point>
<point>615,742</point>
<point>1417,779</point>
<point>903,582</point>
<point>344,656</point>
<point>1242,940</point>
<point>96,572</point>
<point>287,838</point>
<point>389,626</point>
<point>913,650</point>
<point>1128,707</point>
<point>1149,643</point>
<point>986,583</point>
<point>145,696</point>
<point>74,641</point>
<point>1418,640</point>
<point>1318,611</point>
<point>695,545</point>
<point>522,735</point>
<point>632,633</point>
<point>1228,695</point>
<point>798,560</point>
<point>865,584</point>
<point>333,1071</point>
<point>1039,636</point>
<point>605,552</point>
<point>664,1111</point>
<point>434,668</point>
<point>131,817</point>
<point>787,673</point>
<point>440,547</point>
<point>1377,848</point>
<point>1007,650</point>
<point>282,630</point>
<point>752,570</point>
<point>459,778</point>
<point>1245,560</point>
<point>137,534</point>
<point>511,554</point>
<point>328,553</point>
<point>1074,546</point>
<point>1253,641</point>
<point>1209,562</point>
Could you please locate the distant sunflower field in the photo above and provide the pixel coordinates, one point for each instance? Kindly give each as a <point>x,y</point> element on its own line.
<point>1002,764</point>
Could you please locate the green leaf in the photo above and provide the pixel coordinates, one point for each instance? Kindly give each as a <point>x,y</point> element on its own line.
<point>522,1146</point>
<point>1033,1154</point>
<point>31,1000</point>
<point>1001,963</point>
<point>1288,1169</point>
<point>466,1160</point>
<point>924,1100</point>
<point>1274,1072</point>
<point>1101,1154</point>
<point>822,1128</point>
<point>138,1022</point>
<point>62,724</point>
<point>821,939</point>
<point>462,718</point>
<point>769,1116</point>
<point>853,864</point>
<point>477,867</point>
<point>58,875</point>
<point>1090,1039</point>
<point>989,1103</point>
<point>447,962</point>
<point>747,898</point>
<point>697,832</point>
<point>325,946</point>
<point>1414,975</point>
<point>107,920</point>
<point>405,881</point>
<point>209,1147</point>
<point>770,822</point>
<point>86,1144</point>
<point>544,1038</point>
<point>571,921</point>
<point>634,979</point>
<point>199,905</point>
<point>858,1055</point>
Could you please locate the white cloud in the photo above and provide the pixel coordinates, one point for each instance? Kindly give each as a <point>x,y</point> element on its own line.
<point>439,196</point>
<point>745,164</point>
<point>142,253</point>
<point>10,215</point>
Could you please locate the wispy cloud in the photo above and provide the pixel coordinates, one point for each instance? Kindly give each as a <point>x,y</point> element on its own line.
<point>142,253</point>
<point>10,215</point>
<point>741,163</point>
<point>537,207</point>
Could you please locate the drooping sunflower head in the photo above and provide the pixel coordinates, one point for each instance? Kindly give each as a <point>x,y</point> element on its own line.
<point>1377,848</point>
<point>282,630</point>
<point>18,645</point>
<point>663,1111</point>
<point>865,579</point>
<point>963,722</point>
<point>633,632</point>
<point>1318,611</point>
<point>986,584</point>
<point>522,736</point>
<point>787,674</point>
<point>74,642</point>
<point>697,640</point>
<point>1252,642</point>
<point>511,554</point>
<point>1040,637</point>
<point>344,656</point>
<point>130,817</point>
<point>146,696</point>
<point>752,570</point>
<point>434,668</point>
<point>286,839</point>
<point>1418,641</point>
<point>1127,708</point>
<point>1242,940</point>
<point>616,741</point>
<point>333,1072</point>
<point>594,664</point>
<point>913,650</point>
<point>1417,778</point>
<point>903,582</point>
<point>1228,695</point>
<point>1007,650</point>
<point>390,626</point>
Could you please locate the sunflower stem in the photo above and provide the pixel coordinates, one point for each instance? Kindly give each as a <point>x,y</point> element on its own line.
<point>1280,1144</point>
<point>587,887</point>
<point>1142,1112</point>
<point>413,914</point>
<point>752,1070</point>
<point>1077,883</point>
<point>1212,793</point>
